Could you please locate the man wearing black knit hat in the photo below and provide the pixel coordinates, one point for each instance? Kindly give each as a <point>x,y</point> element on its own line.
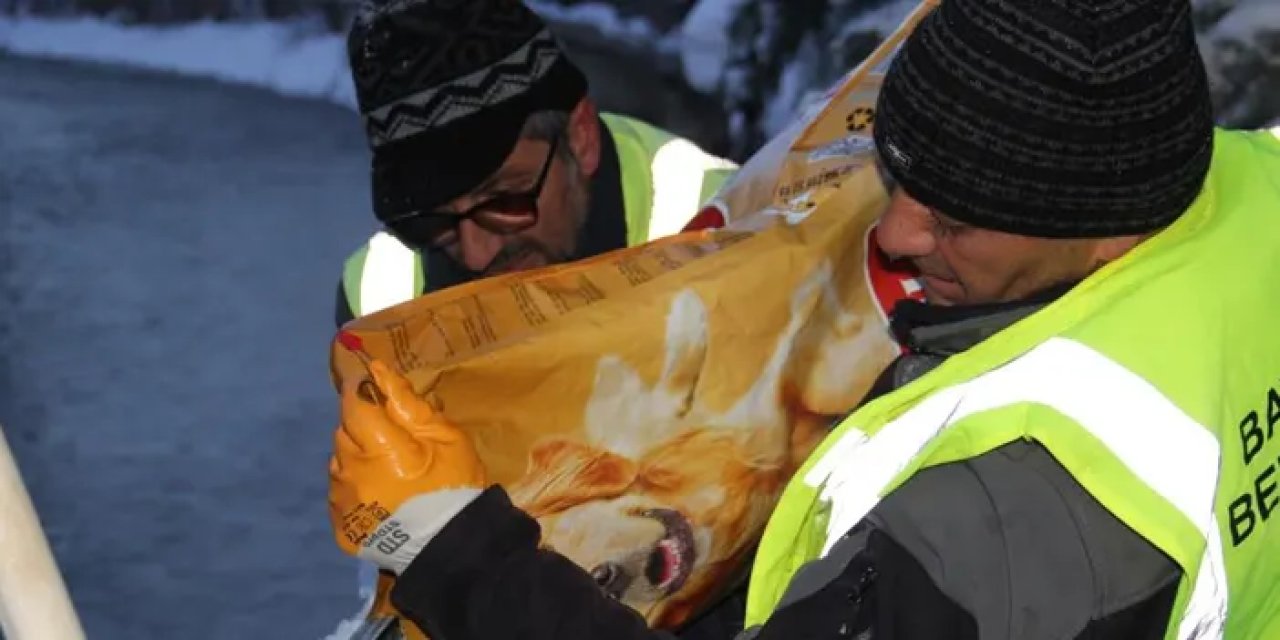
<point>489,156</point>
<point>1080,442</point>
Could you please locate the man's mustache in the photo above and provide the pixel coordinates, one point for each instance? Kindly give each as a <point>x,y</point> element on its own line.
<point>518,251</point>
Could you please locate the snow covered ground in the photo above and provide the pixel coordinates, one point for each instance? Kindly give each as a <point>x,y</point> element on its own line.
<point>295,59</point>
<point>170,252</point>
<point>298,59</point>
<point>153,450</point>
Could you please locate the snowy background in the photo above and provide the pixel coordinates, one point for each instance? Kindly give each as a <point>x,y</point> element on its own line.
<point>169,248</point>
<point>730,72</point>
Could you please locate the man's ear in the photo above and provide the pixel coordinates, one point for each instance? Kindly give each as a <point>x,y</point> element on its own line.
<point>584,135</point>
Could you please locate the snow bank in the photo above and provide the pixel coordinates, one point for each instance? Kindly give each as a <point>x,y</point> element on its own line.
<point>601,17</point>
<point>1247,27</point>
<point>299,59</point>
<point>884,20</point>
<point>704,40</point>
<point>296,59</point>
<point>1242,55</point>
<point>1248,21</point>
<point>797,87</point>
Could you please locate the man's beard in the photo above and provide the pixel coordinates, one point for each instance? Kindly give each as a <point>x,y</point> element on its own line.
<point>520,249</point>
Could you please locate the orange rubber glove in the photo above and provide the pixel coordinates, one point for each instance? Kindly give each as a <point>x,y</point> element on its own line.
<point>399,471</point>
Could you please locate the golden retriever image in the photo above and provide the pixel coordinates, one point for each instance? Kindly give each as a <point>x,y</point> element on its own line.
<point>670,450</point>
<point>662,498</point>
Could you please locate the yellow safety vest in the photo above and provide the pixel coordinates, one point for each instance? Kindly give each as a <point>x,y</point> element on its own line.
<point>1155,382</point>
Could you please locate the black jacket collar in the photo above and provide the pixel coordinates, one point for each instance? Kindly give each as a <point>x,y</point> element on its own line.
<point>933,333</point>
<point>606,226</point>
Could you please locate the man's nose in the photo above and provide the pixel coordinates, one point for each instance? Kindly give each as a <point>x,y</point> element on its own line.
<point>477,245</point>
<point>906,228</point>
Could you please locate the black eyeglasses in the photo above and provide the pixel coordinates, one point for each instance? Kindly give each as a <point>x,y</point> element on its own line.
<point>503,214</point>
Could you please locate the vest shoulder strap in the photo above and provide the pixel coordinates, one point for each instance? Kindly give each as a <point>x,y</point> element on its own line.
<point>665,178</point>
<point>382,273</point>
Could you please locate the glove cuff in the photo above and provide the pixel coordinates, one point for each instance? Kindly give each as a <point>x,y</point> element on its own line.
<point>399,539</point>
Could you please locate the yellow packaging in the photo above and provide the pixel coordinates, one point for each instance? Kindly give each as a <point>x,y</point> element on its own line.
<point>648,405</point>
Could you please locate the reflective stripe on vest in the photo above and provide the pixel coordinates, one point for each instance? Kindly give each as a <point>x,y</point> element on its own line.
<point>388,277</point>
<point>1123,411</point>
<point>679,171</point>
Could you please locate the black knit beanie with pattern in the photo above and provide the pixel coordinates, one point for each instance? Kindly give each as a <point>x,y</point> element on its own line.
<point>444,88</point>
<point>1050,118</point>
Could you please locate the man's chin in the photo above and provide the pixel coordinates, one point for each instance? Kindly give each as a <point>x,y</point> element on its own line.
<point>524,262</point>
<point>941,292</point>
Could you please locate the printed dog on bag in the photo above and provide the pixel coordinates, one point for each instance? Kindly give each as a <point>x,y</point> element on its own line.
<point>662,498</point>
<point>648,406</point>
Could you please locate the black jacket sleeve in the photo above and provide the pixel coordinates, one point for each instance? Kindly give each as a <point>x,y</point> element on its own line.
<point>1004,546</point>
<point>882,593</point>
<point>1013,539</point>
<point>483,577</point>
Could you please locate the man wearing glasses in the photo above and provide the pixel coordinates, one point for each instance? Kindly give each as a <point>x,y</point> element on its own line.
<point>490,157</point>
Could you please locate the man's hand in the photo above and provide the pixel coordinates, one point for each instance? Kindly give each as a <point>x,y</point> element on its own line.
<point>399,471</point>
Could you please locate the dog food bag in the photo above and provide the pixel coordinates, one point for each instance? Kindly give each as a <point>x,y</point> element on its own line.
<point>647,406</point>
